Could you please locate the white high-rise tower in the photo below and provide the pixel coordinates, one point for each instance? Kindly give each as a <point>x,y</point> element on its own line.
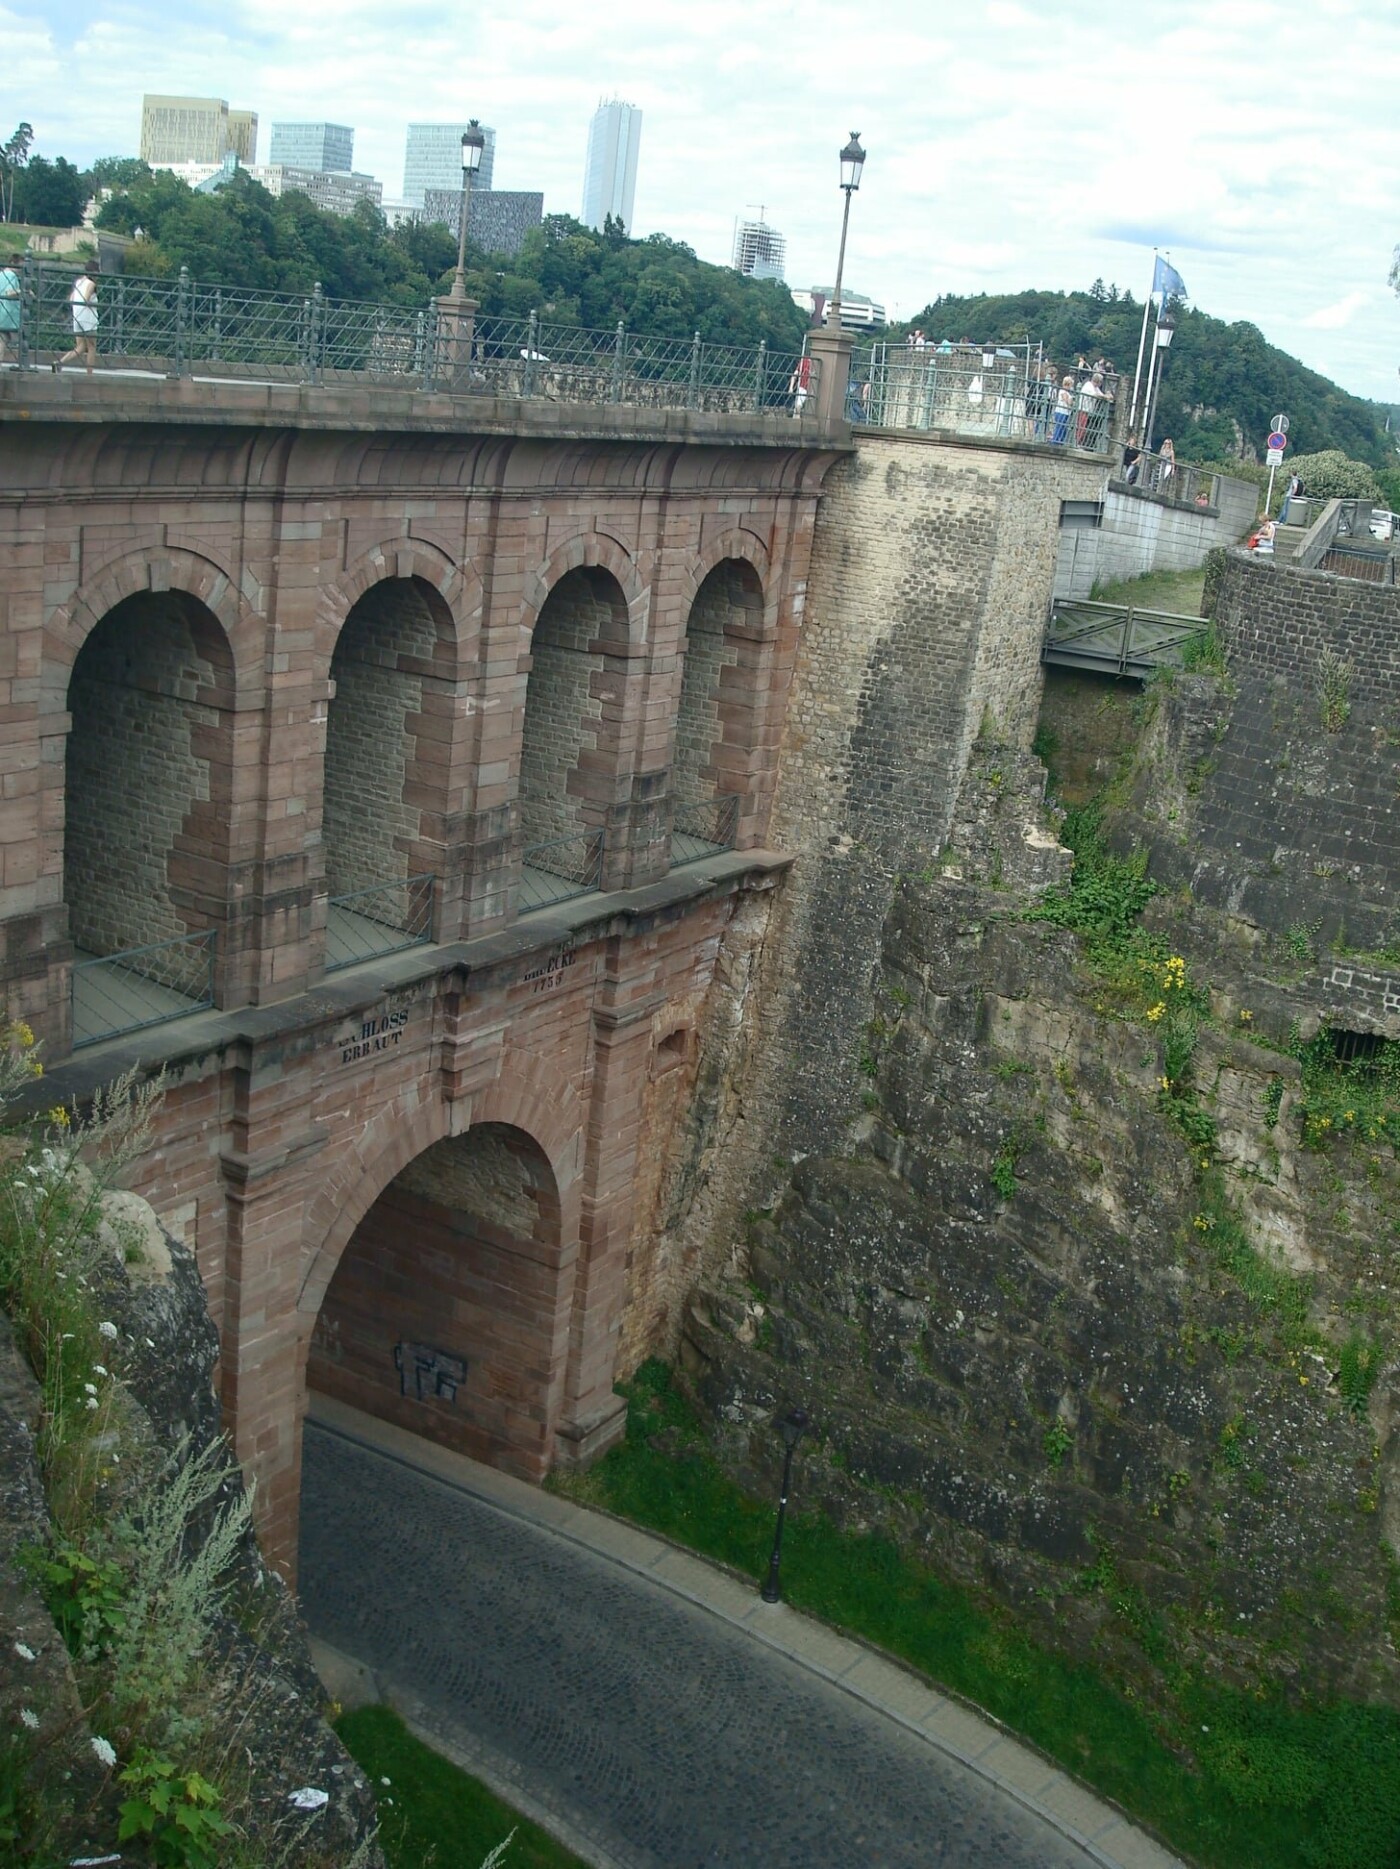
<point>610,179</point>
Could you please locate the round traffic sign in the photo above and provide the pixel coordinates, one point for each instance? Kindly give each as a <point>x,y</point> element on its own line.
<point>1278,439</point>
<point>1280,424</point>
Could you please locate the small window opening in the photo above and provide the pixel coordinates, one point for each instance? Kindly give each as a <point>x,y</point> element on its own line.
<point>1355,1047</point>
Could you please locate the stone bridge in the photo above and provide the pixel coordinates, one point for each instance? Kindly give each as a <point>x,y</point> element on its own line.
<point>388,770</point>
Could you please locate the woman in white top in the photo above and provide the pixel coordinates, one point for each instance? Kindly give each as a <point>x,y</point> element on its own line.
<point>83,301</point>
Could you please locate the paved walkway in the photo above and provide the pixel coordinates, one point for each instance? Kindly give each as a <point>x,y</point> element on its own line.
<point>645,1706</point>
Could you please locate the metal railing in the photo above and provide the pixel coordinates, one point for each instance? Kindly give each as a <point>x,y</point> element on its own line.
<point>996,391</point>
<point>560,868</point>
<point>702,827</point>
<point>142,986</point>
<point>1117,639</point>
<point>1186,486</point>
<point>182,327</point>
<point>383,919</point>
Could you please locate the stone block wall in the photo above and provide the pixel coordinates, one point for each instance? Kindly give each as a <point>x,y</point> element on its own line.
<point>134,777</point>
<point>1143,531</point>
<point>726,597</point>
<point>563,708</point>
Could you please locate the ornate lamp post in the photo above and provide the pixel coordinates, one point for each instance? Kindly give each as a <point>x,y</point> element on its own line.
<point>852,162</point>
<point>473,142</point>
<point>792,1426</point>
<point>1166,331</point>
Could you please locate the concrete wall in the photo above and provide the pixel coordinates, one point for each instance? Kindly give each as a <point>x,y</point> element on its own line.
<point>1144,531</point>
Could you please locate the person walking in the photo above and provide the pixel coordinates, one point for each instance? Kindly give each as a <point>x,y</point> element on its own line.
<point>83,302</point>
<point>10,303</point>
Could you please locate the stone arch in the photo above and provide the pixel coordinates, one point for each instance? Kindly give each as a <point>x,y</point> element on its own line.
<point>597,551</point>
<point>149,804</point>
<point>572,725</point>
<point>522,1094</point>
<point>156,571</point>
<point>457,585</point>
<point>721,707</point>
<point>390,727</point>
<point>734,542</point>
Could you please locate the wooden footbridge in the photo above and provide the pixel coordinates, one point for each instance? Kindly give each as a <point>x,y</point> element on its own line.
<point>1118,639</point>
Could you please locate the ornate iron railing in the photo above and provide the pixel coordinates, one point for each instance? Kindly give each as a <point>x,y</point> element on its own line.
<point>993,391</point>
<point>560,868</point>
<point>383,919</point>
<point>702,827</point>
<point>183,327</point>
<point>142,986</point>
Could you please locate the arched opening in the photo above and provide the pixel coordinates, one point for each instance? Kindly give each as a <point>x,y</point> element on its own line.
<point>381,772</point>
<point>709,770</point>
<point>445,1313</point>
<point>569,725</point>
<point>148,792</point>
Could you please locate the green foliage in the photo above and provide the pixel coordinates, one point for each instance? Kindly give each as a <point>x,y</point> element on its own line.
<point>1334,677</point>
<point>1057,1443</point>
<point>1232,1777</point>
<point>1359,1098</point>
<point>1106,893</point>
<point>1205,654</point>
<point>175,1813</point>
<point>14,154</point>
<point>1003,1174</point>
<point>1331,475</point>
<point>242,236</point>
<point>1360,1366</point>
<point>1283,1297</point>
<point>430,1812</point>
<point>85,1595</point>
<point>1221,386</point>
<point>50,194</point>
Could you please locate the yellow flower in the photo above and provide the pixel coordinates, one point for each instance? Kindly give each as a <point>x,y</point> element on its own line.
<point>1165,1082</point>
<point>1245,1015</point>
<point>1154,1013</point>
<point>22,1033</point>
<point>58,1116</point>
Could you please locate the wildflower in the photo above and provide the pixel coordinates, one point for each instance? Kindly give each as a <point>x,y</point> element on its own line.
<point>1154,1013</point>
<point>386,1781</point>
<point>109,1331</point>
<point>91,1402</point>
<point>24,1651</point>
<point>29,1718</point>
<point>1245,1016</point>
<point>58,1116</point>
<point>89,1388</point>
<point>98,1370</point>
<point>106,1752</point>
<point>1165,1083</point>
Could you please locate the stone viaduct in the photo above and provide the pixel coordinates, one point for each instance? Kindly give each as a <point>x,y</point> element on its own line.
<point>389,770</point>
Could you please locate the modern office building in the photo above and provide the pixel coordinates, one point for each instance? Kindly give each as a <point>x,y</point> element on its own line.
<point>433,159</point>
<point>195,129</point>
<point>326,147</point>
<point>858,313</point>
<point>335,191</point>
<point>610,176</point>
<point>499,219</point>
<point>760,251</point>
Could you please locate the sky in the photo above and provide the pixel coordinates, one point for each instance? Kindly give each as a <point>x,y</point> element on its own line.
<point>1009,145</point>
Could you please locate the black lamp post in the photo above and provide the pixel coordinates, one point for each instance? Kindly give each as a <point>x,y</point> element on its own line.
<point>852,162</point>
<point>473,142</point>
<point>792,1426</point>
<point>1166,331</point>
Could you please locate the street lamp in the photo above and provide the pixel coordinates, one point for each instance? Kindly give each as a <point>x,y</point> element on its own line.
<point>792,1427</point>
<point>473,142</point>
<point>852,162</point>
<point>1166,331</point>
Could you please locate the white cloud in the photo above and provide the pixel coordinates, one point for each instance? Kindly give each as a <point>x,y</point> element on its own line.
<point>1012,142</point>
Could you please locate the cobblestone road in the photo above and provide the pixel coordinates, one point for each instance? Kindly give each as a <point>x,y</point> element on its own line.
<point>666,1736</point>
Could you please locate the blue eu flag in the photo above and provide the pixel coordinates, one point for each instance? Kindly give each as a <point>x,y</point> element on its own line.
<point>1167,280</point>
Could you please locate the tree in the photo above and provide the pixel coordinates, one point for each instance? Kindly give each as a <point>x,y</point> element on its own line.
<point>1331,476</point>
<point>13,156</point>
<point>50,194</point>
<point>116,172</point>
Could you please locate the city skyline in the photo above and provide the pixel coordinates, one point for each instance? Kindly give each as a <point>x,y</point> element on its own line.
<point>1027,149</point>
<point>610,166</point>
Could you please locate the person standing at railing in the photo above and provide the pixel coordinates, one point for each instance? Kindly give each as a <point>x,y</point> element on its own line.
<point>800,383</point>
<point>1088,421</point>
<point>83,301</point>
<point>1064,408</point>
<point>9,313</point>
<point>1132,460</point>
<point>1293,491</point>
<point>1166,467</point>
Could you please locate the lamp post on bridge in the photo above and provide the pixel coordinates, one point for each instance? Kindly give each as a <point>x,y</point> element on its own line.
<point>830,345</point>
<point>457,310</point>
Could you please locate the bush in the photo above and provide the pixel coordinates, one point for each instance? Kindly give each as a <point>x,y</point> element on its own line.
<point>1332,476</point>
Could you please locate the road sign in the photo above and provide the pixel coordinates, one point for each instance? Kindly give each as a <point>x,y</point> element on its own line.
<point>1278,440</point>
<point>1280,424</point>
<point>1275,458</point>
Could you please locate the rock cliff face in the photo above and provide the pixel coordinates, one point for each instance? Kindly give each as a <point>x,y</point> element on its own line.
<point>1027,1347</point>
<point>265,1684</point>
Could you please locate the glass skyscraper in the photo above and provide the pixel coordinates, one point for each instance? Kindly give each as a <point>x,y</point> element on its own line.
<point>327,147</point>
<point>433,159</point>
<point>610,179</point>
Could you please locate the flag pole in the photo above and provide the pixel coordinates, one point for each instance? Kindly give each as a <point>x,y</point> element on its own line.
<point>1142,344</point>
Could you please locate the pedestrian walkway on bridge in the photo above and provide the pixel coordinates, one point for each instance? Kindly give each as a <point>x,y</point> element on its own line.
<point>1118,639</point>
<point>644,1705</point>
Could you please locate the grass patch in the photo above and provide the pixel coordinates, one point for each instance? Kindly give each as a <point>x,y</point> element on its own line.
<point>1177,591</point>
<point>432,1814</point>
<point>1238,1781</point>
